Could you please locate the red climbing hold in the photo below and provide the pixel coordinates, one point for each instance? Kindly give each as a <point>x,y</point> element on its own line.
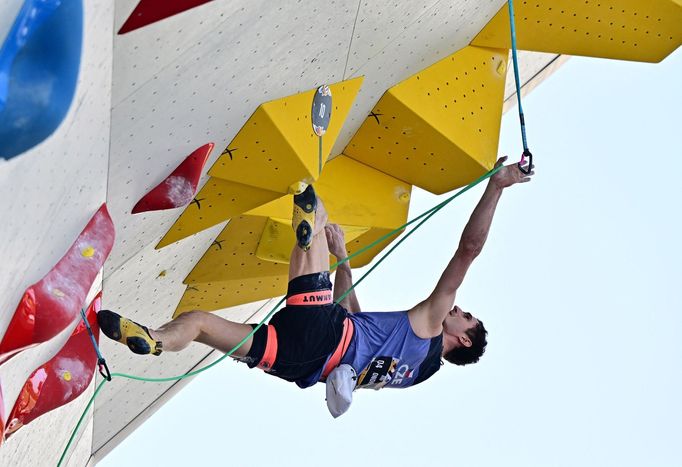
<point>2,416</point>
<point>150,11</point>
<point>51,304</point>
<point>63,378</point>
<point>178,188</point>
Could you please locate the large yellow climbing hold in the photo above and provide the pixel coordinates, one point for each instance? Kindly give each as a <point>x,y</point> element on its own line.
<point>224,294</point>
<point>640,30</point>
<point>364,201</point>
<point>278,237</point>
<point>233,254</point>
<point>438,129</point>
<point>273,152</point>
<point>216,202</point>
<point>277,147</point>
<point>88,252</point>
<point>248,260</point>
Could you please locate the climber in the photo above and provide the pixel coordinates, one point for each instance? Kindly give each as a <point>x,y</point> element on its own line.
<point>313,336</point>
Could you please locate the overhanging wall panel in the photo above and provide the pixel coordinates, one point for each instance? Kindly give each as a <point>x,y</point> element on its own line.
<point>620,29</point>
<point>260,53</point>
<point>440,31</point>
<point>49,193</point>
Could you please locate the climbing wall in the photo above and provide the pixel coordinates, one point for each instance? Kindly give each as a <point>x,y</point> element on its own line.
<point>248,261</point>
<point>178,86</point>
<point>534,67</point>
<point>439,128</point>
<point>49,194</point>
<point>619,29</point>
<point>428,77</point>
<point>214,92</point>
<point>413,36</point>
<point>273,152</point>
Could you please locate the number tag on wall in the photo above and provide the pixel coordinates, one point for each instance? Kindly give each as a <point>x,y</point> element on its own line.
<point>322,110</point>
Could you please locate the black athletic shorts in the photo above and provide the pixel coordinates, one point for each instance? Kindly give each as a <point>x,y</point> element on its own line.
<point>308,330</point>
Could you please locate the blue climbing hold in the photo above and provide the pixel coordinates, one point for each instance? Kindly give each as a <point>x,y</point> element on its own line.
<point>39,63</point>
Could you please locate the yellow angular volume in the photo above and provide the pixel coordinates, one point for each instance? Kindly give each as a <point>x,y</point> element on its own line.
<point>233,254</point>
<point>359,195</point>
<point>273,151</point>
<point>362,241</point>
<point>646,31</point>
<point>216,202</point>
<point>218,295</point>
<point>247,262</point>
<point>278,239</point>
<point>439,129</point>
<point>361,199</point>
<point>354,194</point>
<point>277,147</point>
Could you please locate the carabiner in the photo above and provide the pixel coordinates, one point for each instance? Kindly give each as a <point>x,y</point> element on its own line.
<point>104,369</point>
<point>520,165</point>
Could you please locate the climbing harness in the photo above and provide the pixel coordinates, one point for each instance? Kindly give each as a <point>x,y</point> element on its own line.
<point>526,169</point>
<point>320,109</point>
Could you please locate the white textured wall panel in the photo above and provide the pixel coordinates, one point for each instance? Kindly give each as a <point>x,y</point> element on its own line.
<point>439,31</point>
<point>534,67</point>
<point>257,54</point>
<point>49,194</point>
<point>138,290</point>
<point>143,53</point>
<point>42,442</point>
<point>378,24</point>
<point>52,191</point>
<point>8,13</point>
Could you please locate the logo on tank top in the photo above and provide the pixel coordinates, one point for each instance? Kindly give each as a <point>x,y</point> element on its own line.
<point>402,373</point>
<point>378,373</point>
<point>383,371</point>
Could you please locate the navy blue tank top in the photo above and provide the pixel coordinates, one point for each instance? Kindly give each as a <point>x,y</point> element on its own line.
<point>385,351</point>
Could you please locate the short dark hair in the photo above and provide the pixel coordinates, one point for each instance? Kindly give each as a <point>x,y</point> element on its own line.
<point>465,355</point>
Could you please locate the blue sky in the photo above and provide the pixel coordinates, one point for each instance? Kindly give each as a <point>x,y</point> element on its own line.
<point>578,285</point>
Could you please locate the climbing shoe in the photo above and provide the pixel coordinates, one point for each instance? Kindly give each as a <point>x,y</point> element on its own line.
<point>297,188</point>
<point>128,332</point>
<point>303,221</point>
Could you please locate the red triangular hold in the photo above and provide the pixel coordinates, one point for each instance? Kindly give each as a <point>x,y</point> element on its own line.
<point>178,188</point>
<point>63,378</point>
<point>2,416</point>
<point>150,11</point>
<point>51,304</point>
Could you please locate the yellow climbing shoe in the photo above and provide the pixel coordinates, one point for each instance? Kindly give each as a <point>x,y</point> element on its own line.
<point>128,332</point>
<point>303,220</point>
<point>297,188</point>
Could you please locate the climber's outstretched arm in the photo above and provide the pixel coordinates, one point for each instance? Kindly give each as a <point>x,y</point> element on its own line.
<point>429,315</point>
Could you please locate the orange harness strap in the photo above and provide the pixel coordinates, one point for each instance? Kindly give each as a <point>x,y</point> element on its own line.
<point>270,353</point>
<point>318,297</point>
<point>335,359</point>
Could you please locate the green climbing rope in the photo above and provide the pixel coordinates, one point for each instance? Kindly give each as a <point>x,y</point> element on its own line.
<point>426,215</point>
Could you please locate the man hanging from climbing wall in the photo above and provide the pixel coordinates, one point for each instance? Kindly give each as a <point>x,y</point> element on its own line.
<point>315,339</point>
